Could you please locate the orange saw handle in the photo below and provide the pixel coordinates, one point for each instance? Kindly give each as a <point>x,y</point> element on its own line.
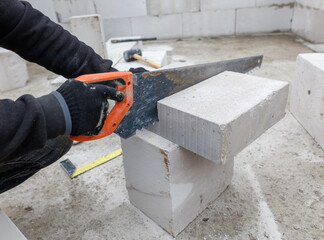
<point>119,110</point>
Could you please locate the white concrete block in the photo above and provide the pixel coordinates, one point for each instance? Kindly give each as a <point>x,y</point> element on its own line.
<point>117,27</point>
<point>159,57</point>
<point>8,230</point>
<point>170,184</point>
<point>13,70</point>
<point>225,4</point>
<point>265,19</point>
<point>220,116</point>
<point>207,23</point>
<point>120,9</point>
<point>161,7</point>
<point>316,4</point>
<point>66,9</point>
<point>116,50</point>
<point>276,3</point>
<point>307,94</point>
<point>46,7</point>
<point>153,7</point>
<point>89,29</point>
<point>162,27</point>
<point>308,23</point>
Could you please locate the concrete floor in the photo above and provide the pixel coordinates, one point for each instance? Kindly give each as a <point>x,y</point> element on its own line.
<point>277,190</point>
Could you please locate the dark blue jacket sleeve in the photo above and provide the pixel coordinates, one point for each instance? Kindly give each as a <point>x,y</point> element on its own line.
<point>36,38</point>
<point>22,126</point>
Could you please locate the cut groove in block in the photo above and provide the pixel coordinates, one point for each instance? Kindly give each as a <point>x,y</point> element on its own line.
<point>168,183</point>
<point>307,95</point>
<point>219,117</point>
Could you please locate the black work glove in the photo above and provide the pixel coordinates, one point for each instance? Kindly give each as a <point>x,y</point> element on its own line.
<point>138,70</point>
<point>83,108</point>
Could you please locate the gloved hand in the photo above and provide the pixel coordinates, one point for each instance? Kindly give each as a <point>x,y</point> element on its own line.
<point>138,70</point>
<point>83,106</point>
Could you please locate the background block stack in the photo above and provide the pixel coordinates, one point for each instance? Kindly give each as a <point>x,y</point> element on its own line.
<point>167,19</point>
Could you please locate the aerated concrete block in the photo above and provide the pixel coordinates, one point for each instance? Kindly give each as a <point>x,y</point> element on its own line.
<point>120,9</point>
<point>206,5</point>
<point>263,19</point>
<point>315,4</point>
<point>168,183</point>
<point>13,70</point>
<point>308,23</point>
<point>307,95</point>
<point>89,29</point>
<point>162,7</point>
<point>276,3</point>
<point>65,9</point>
<point>162,27</point>
<point>199,24</point>
<point>220,116</point>
<point>117,27</point>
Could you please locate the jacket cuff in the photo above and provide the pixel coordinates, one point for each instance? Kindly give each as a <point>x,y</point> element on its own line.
<point>57,115</point>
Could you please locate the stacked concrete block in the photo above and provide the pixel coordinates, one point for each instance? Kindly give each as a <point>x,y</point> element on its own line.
<point>168,183</point>
<point>226,4</point>
<point>316,4</point>
<point>169,175</point>
<point>66,9</point>
<point>207,23</point>
<point>89,29</point>
<point>167,19</point>
<point>162,7</point>
<point>308,20</point>
<point>276,3</point>
<point>163,27</point>
<point>219,123</point>
<point>263,19</point>
<point>307,95</point>
<point>13,70</point>
<point>117,27</point>
<point>46,7</point>
<point>120,9</point>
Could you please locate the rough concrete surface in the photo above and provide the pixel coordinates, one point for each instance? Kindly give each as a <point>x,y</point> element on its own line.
<point>277,190</point>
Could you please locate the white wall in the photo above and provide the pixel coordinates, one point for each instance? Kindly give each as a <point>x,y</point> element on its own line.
<point>195,18</point>
<point>182,18</point>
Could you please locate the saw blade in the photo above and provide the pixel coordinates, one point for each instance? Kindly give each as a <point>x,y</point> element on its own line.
<point>150,87</point>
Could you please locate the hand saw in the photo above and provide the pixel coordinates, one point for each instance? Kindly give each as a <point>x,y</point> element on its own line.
<point>143,90</point>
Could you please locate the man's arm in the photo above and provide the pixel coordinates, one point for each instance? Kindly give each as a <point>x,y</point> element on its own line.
<point>27,123</point>
<point>36,38</point>
<point>23,126</point>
